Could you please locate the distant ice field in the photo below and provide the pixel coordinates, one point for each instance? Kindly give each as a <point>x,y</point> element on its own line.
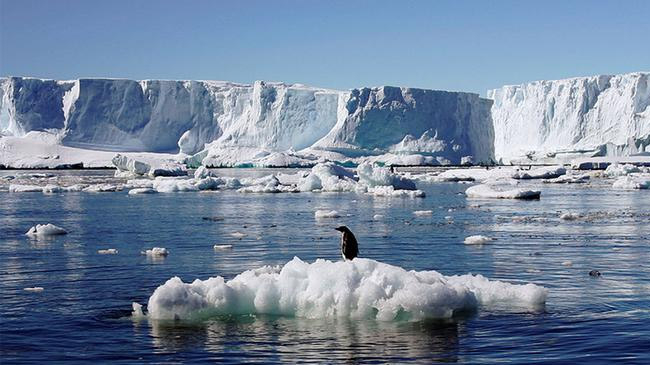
<point>63,300</point>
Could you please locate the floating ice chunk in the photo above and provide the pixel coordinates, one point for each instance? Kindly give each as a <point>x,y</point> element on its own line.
<point>381,176</point>
<point>173,185</point>
<point>168,169</point>
<point>568,179</point>
<point>142,191</point>
<point>361,288</point>
<point>108,251</point>
<point>127,166</point>
<point>616,170</point>
<point>156,252</point>
<point>631,182</point>
<point>222,247</point>
<point>46,230</point>
<point>477,240</point>
<point>102,188</point>
<point>207,183</point>
<point>490,192</point>
<point>570,216</point>
<point>326,214</point>
<point>377,216</point>
<point>137,310</point>
<point>202,172</point>
<point>75,188</point>
<point>239,235</point>
<point>549,172</point>
<point>34,289</point>
<point>139,183</point>
<point>51,189</point>
<point>390,191</point>
<point>423,212</point>
<point>17,188</point>
<point>567,263</point>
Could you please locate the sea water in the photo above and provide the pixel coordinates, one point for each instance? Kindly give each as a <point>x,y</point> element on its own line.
<point>84,310</point>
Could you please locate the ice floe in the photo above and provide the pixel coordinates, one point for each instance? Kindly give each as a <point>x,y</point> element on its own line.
<point>48,229</point>
<point>494,192</point>
<point>157,252</point>
<point>108,251</point>
<point>361,288</point>
<point>326,214</point>
<point>477,240</point>
<point>632,182</point>
<point>142,191</point>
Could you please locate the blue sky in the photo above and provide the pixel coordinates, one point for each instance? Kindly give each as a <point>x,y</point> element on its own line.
<point>449,45</point>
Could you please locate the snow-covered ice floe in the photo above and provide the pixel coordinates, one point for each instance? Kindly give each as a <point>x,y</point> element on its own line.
<point>130,167</point>
<point>632,182</point>
<point>46,230</point>
<point>494,192</point>
<point>142,191</point>
<point>157,252</point>
<point>108,251</point>
<point>361,288</point>
<point>34,289</point>
<point>326,214</point>
<point>477,240</point>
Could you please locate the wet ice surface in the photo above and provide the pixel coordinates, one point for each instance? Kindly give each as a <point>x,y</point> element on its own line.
<point>83,310</point>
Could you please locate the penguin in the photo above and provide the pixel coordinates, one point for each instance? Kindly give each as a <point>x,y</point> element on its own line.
<point>349,246</point>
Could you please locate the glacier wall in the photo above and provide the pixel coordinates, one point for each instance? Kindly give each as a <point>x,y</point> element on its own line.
<point>240,119</point>
<point>598,116</point>
<point>443,124</point>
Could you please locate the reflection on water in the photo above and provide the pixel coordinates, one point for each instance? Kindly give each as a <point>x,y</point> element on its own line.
<point>308,340</point>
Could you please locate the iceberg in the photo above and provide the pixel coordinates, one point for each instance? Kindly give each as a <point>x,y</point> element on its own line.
<point>605,115</point>
<point>219,123</point>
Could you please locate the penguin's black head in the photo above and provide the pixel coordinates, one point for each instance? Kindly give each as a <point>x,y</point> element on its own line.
<point>342,229</point>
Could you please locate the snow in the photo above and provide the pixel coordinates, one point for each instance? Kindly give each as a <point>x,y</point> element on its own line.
<point>477,240</point>
<point>48,229</point>
<point>361,288</point>
<point>563,119</point>
<point>632,182</point>
<point>495,192</point>
<point>326,214</point>
<point>157,252</point>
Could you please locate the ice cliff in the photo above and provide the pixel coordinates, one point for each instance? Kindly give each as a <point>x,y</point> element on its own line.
<point>596,116</point>
<point>226,123</point>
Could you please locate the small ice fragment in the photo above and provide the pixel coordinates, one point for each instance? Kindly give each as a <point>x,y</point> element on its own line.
<point>239,235</point>
<point>569,216</point>
<point>108,251</point>
<point>137,310</point>
<point>142,191</point>
<point>222,247</point>
<point>567,263</point>
<point>157,251</point>
<point>45,230</point>
<point>326,214</point>
<point>423,212</point>
<point>448,217</point>
<point>477,240</point>
<point>34,289</point>
<point>377,216</point>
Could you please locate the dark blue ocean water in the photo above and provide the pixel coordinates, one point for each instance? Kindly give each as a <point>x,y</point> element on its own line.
<point>83,311</point>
